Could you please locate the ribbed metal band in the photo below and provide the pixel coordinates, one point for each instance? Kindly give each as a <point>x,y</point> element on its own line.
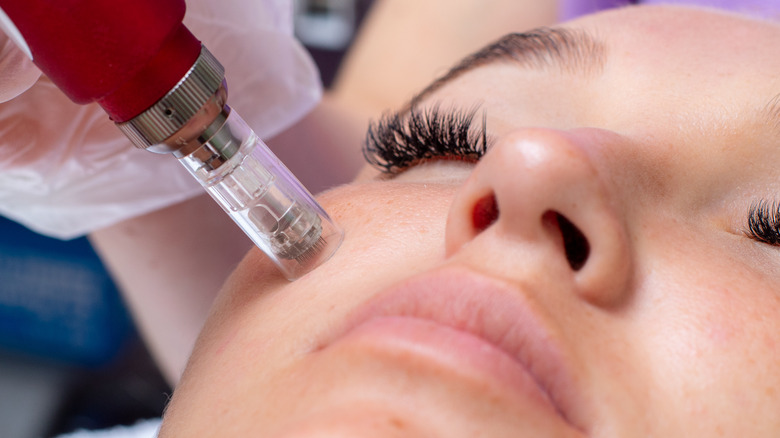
<point>172,112</point>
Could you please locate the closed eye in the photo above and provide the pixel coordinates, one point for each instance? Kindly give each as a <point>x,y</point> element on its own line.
<point>764,222</point>
<point>398,141</point>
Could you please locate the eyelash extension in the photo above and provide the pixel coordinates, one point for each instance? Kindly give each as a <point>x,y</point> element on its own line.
<point>764,222</point>
<point>397,142</point>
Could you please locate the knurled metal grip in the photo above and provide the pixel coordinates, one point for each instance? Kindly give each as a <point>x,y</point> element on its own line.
<point>171,113</point>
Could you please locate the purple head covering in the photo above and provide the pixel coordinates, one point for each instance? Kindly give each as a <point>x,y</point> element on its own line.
<point>759,8</point>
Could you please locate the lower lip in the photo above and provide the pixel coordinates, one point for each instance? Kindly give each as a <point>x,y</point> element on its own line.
<point>462,353</point>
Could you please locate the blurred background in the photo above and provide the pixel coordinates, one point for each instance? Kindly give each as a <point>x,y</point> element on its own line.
<point>70,357</point>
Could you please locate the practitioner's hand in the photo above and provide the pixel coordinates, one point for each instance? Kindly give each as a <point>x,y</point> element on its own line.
<point>66,170</point>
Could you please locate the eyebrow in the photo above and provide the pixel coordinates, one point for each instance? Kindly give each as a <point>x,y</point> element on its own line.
<point>569,51</point>
<point>772,111</point>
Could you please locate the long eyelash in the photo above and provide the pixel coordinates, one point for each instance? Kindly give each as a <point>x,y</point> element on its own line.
<point>397,142</point>
<point>764,222</point>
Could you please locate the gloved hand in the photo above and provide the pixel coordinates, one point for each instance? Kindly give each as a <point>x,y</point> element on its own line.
<point>66,170</point>
<point>17,72</point>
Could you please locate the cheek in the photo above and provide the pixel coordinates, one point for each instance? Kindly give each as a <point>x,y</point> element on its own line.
<point>708,323</point>
<point>392,231</point>
<point>390,219</point>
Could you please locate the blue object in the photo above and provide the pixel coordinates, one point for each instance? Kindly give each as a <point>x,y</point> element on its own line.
<point>57,301</point>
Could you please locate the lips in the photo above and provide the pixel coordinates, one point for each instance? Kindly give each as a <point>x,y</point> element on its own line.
<point>462,318</point>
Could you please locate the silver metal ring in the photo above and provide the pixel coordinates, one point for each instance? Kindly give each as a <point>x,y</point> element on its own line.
<point>176,108</point>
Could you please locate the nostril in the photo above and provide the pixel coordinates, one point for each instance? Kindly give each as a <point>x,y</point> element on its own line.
<point>575,244</point>
<point>485,212</point>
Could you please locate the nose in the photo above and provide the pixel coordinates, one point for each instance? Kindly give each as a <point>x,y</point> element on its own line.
<point>541,188</point>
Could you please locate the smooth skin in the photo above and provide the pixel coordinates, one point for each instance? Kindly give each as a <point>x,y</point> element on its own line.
<point>670,328</point>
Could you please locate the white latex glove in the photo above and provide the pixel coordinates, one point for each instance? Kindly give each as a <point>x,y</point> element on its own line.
<point>66,170</point>
<point>17,72</point>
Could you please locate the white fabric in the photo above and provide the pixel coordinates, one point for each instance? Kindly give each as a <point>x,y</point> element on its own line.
<point>17,72</point>
<point>142,429</point>
<point>66,170</point>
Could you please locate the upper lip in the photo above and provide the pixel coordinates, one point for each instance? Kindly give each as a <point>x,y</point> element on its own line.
<point>490,309</point>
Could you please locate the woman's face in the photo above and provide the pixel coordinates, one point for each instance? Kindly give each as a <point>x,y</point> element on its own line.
<point>593,274</point>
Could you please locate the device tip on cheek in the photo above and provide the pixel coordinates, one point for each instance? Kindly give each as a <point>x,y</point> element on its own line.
<point>264,198</point>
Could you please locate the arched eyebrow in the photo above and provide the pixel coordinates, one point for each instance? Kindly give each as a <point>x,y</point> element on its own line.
<point>568,50</point>
<point>772,111</point>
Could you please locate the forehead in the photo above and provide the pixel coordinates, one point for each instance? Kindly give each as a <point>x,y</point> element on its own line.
<point>672,66</point>
<point>690,44</point>
<point>701,67</point>
<point>707,33</point>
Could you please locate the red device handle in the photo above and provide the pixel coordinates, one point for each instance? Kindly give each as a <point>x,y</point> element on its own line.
<point>124,54</point>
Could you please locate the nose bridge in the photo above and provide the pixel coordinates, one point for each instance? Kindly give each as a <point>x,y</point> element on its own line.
<point>546,190</point>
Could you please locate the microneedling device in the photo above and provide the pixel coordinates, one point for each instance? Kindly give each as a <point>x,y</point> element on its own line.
<point>168,94</point>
